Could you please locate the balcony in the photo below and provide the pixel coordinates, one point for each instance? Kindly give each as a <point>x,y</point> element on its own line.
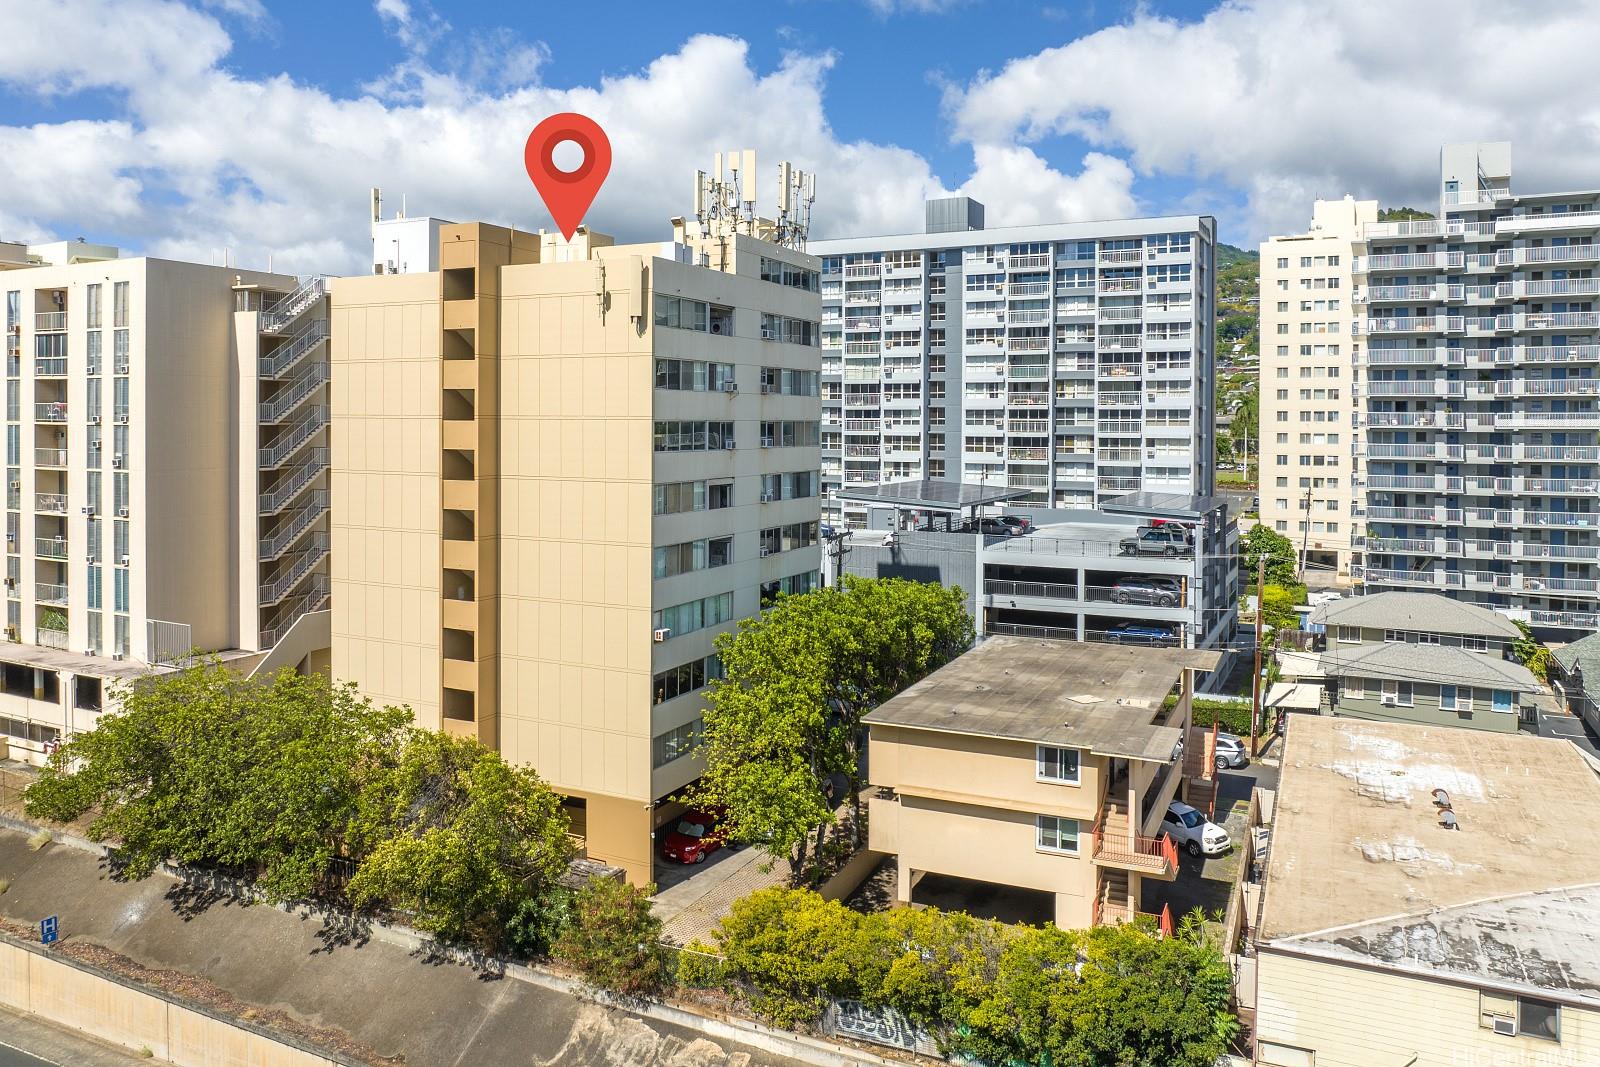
<point>1571,253</point>
<point>50,411</point>
<point>1120,255</point>
<point>50,367</point>
<point>50,503</point>
<point>50,593</point>
<point>49,457</point>
<point>50,321</point>
<point>1555,220</point>
<point>1550,320</point>
<point>1409,261</point>
<point>1155,857</point>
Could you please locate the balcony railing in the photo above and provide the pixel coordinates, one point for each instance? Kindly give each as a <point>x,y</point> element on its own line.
<point>50,547</point>
<point>50,411</point>
<point>50,321</point>
<point>1148,855</point>
<point>50,593</point>
<point>51,503</point>
<point>50,367</point>
<point>49,457</point>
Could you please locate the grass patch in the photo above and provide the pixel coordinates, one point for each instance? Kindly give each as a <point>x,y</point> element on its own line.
<point>39,839</point>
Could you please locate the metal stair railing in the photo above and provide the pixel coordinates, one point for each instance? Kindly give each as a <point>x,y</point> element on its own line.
<point>300,565</point>
<point>291,352</point>
<point>293,481</point>
<point>299,389</point>
<point>294,438</point>
<point>295,523</point>
<point>294,305</point>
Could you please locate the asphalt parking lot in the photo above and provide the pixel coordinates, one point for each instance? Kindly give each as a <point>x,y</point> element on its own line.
<point>1205,881</point>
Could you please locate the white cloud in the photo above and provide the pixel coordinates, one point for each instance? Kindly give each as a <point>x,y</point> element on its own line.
<point>1289,100</point>
<point>203,158</point>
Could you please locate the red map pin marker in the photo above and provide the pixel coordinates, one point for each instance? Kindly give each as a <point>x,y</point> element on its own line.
<point>567,193</point>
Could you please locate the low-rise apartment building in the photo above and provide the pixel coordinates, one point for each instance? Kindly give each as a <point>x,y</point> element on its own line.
<point>1310,455</point>
<point>1424,658</point>
<point>1039,765</point>
<point>560,470</point>
<point>1424,903</point>
<point>154,410</point>
<point>1072,360</point>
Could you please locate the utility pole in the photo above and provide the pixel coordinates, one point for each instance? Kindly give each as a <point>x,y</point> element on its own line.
<point>1255,679</point>
<point>1305,535</point>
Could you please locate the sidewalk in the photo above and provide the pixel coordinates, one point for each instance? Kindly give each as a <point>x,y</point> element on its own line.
<point>27,1040</point>
<point>691,907</point>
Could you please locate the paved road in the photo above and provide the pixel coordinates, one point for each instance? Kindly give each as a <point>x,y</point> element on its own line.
<point>27,1041</point>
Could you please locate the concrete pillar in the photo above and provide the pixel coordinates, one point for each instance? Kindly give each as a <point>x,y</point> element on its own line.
<point>904,881</point>
<point>1074,912</point>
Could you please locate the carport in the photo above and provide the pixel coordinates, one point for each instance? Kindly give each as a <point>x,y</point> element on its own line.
<point>930,500</point>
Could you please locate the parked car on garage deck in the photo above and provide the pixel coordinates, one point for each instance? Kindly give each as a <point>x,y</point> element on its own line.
<point>1133,589</point>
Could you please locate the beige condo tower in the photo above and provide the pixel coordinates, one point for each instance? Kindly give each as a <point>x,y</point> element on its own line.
<point>560,470</point>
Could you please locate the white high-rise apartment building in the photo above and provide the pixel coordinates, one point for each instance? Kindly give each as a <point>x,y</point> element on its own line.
<point>1074,360</point>
<point>1480,364</point>
<point>165,462</point>
<point>1309,454</point>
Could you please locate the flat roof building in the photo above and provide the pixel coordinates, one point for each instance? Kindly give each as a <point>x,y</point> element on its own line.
<point>1072,360</point>
<point>1424,900</point>
<point>1044,766</point>
<point>561,470</point>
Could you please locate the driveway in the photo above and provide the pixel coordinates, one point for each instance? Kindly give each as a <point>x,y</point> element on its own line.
<point>690,900</point>
<point>1205,881</point>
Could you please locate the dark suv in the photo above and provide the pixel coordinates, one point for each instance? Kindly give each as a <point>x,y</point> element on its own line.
<point>1167,540</point>
<point>1162,592</point>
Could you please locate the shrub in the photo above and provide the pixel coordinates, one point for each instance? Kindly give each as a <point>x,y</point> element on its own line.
<point>538,922</point>
<point>613,938</point>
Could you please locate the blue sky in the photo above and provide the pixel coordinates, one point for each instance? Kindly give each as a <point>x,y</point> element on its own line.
<point>181,126</point>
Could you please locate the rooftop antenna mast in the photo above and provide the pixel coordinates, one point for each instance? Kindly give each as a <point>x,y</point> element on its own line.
<point>797,190</point>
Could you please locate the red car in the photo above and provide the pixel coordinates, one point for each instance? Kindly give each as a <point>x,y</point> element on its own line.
<point>697,835</point>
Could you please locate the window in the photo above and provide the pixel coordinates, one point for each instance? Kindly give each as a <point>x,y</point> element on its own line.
<point>1272,1054</point>
<point>788,434</point>
<point>681,313</point>
<point>1056,764</point>
<point>675,743</point>
<point>1475,644</point>
<point>119,304</point>
<point>790,331</point>
<point>1447,698</point>
<point>692,556</point>
<point>1538,1018</point>
<point>1355,688</point>
<point>1349,635</point>
<point>694,375</point>
<point>692,436</point>
<point>1397,694</point>
<point>697,614</point>
<point>1502,700</point>
<point>781,273</point>
<point>92,302</point>
<point>793,585</point>
<point>676,681</point>
<point>1056,834</point>
<point>788,382</point>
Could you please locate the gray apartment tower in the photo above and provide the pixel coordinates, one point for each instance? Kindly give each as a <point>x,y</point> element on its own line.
<point>1074,360</point>
<point>1476,352</point>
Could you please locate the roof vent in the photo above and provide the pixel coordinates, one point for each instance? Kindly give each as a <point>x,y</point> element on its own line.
<point>1447,819</point>
<point>1441,799</point>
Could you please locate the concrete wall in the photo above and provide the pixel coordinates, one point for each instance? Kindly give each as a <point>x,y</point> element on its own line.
<point>385,474</point>
<point>82,999</point>
<point>1352,1017</point>
<point>941,558</point>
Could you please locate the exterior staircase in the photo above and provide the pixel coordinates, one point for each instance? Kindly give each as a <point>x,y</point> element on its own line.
<point>1200,768</point>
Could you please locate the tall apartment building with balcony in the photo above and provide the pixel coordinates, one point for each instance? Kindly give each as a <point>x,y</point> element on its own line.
<point>561,469</point>
<point>1479,357</point>
<point>1074,360</point>
<point>153,413</point>
<point>1309,450</point>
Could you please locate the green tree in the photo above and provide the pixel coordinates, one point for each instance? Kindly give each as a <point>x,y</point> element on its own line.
<point>796,951</point>
<point>1263,542</point>
<point>786,717</point>
<point>457,836</point>
<point>1530,652</point>
<point>614,938</point>
<point>1402,214</point>
<point>205,767</point>
<point>1278,603</point>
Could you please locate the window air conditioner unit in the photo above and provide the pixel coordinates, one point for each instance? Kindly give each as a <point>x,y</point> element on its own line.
<point>122,561</point>
<point>119,655</point>
<point>92,559</point>
<point>765,551</point>
<point>89,510</point>
<point>765,388</point>
<point>661,635</point>
<point>768,497</point>
<point>122,513</point>
<point>766,442</point>
<point>733,387</point>
<point>1505,1027</point>
<point>728,444</point>
<point>1389,701</point>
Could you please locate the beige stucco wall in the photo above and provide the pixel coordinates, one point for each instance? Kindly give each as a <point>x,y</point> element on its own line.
<point>385,455</point>
<point>1353,1017</point>
<point>1000,771</point>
